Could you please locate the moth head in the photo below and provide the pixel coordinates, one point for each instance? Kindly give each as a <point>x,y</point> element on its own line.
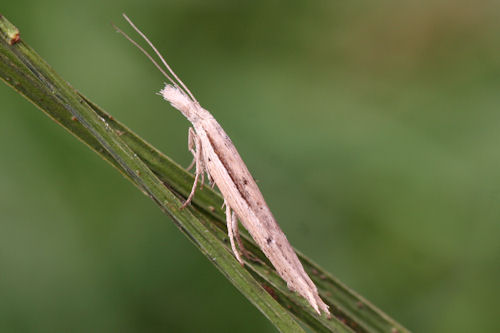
<point>179,100</point>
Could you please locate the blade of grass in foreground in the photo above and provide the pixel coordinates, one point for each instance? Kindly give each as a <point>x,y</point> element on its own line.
<point>163,180</point>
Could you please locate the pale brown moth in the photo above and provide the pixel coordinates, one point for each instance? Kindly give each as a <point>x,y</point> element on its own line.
<point>215,154</point>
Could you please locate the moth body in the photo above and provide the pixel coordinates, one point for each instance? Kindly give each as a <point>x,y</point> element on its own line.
<point>224,165</point>
<point>215,154</point>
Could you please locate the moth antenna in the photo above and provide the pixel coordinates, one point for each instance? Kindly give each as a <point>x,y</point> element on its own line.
<point>161,58</point>
<point>146,53</point>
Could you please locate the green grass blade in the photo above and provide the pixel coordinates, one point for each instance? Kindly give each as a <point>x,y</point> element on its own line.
<point>164,181</point>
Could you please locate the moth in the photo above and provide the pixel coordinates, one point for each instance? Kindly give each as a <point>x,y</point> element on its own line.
<point>215,154</point>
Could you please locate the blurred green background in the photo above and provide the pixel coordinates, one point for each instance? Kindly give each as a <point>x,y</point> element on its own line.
<point>373,129</point>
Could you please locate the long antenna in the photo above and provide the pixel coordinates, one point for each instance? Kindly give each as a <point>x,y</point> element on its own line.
<point>147,55</point>
<point>159,56</point>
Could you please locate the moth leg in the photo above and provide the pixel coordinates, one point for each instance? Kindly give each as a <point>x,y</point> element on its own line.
<point>236,232</point>
<point>194,145</point>
<point>191,145</point>
<point>191,165</point>
<point>202,181</point>
<point>229,222</point>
